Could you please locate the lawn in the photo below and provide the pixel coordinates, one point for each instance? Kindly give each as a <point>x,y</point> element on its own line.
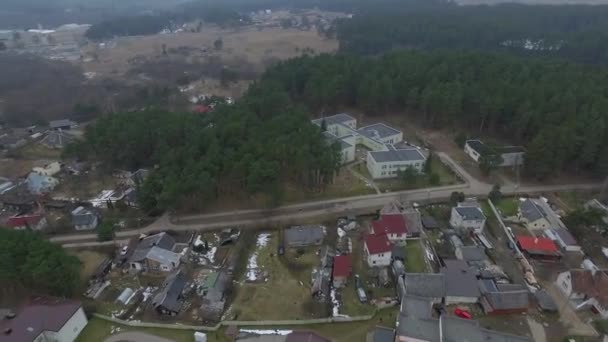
<point>38,151</point>
<point>345,184</point>
<point>90,261</point>
<point>97,330</point>
<point>289,279</point>
<point>414,257</point>
<point>508,206</point>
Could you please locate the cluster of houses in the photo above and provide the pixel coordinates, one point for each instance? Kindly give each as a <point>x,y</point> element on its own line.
<point>388,153</point>
<point>28,201</point>
<point>57,136</point>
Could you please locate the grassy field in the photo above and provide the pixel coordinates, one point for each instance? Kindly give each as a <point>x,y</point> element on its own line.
<point>414,258</point>
<point>98,330</point>
<point>90,260</point>
<point>289,279</point>
<point>508,206</point>
<point>38,151</point>
<point>344,185</point>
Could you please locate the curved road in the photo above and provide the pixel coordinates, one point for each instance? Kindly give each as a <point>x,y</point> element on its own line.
<point>343,206</point>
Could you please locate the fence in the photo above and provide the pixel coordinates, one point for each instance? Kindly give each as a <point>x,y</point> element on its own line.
<point>138,324</point>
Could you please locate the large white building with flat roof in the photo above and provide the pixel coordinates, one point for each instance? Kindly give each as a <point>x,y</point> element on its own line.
<point>383,160</point>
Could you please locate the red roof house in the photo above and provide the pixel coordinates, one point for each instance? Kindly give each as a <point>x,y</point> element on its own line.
<point>378,250</point>
<point>393,225</point>
<point>538,247</point>
<point>342,270</point>
<point>35,222</point>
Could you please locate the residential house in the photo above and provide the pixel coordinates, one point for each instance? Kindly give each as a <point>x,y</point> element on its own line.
<point>511,155</point>
<point>50,169</point>
<point>39,184</point>
<point>566,241</point>
<point>44,319</point>
<point>377,250</point>
<point>302,236</point>
<point>539,248</point>
<point>585,289</point>
<point>391,225</point>
<point>170,299</point>
<point>413,221</point>
<point>503,298</point>
<point>471,254</point>
<point>18,198</point>
<point>63,124</point>
<point>469,216</point>
<point>533,215</point>
<point>342,270</point>
<point>28,221</point>
<point>389,161</point>
<point>155,253</point>
<point>461,282</point>
<point>214,298</point>
<point>84,219</point>
<point>429,222</point>
<point>428,285</point>
<point>418,323</point>
<point>11,141</point>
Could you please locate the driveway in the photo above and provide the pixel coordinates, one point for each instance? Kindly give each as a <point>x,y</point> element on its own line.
<point>134,336</point>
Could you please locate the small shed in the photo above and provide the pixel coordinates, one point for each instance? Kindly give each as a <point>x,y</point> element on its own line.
<point>429,222</point>
<point>342,270</point>
<point>302,236</point>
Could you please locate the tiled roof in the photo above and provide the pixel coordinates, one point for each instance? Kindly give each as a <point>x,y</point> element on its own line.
<point>534,244</point>
<point>341,266</point>
<point>25,220</point>
<point>592,284</point>
<point>377,243</point>
<point>390,224</point>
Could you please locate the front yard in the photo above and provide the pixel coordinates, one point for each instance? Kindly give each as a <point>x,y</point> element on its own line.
<point>415,261</point>
<point>507,206</point>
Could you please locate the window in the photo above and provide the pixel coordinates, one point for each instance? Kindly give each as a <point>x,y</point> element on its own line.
<point>374,262</point>
<point>383,173</point>
<point>417,164</point>
<point>383,167</point>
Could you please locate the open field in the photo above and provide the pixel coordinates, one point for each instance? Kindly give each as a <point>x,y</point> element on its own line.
<point>345,185</point>
<point>414,257</point>
<point>289,278</point>
<point>37,151</point>
<point>508,206</point>
<point>85,186</point>
<point>90,260</point>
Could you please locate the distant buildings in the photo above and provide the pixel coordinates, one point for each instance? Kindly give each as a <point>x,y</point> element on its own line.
<point>63,124</point>
<point>384,160</point>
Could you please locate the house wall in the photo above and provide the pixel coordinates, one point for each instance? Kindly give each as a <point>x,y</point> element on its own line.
<point>471,153</point>
<point>564,284</point>
<point>73,327</point>
<point>459,300</point>
<point>155,266</point>
<point>380,259</point>
<point>389,169</point>
<point>397,239</point>
<point>539,224</point>
<point>457,221</point>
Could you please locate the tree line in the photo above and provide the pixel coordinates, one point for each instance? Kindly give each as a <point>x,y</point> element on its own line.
<point>252,148</point>
<point>557,109</point>
<point>574,32</point>
<point>29,260</point>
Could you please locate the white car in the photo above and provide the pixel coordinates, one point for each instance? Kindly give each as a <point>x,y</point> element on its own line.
<point>124,250</point>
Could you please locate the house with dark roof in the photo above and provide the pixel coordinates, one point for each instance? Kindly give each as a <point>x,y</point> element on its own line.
<point>18,198</point>
<point>471,254</point>
<point>533,215</point>
<point>585,289</point>
<point>170,299</point>
<point>460,282</point>
<point>499,299</point>
<point>565,240</point>
<point>302,236</point>
<point>468,216</point>
<point>155,253</point>
<point>413,221</point>
<point>418,322</point>
<point>214,297</point>
<point>511,155</point>
<point>429,222</point>
<point>341,271</point>
<point>137,177</point>
<point>44,319</point>
<point>63,124</point>
<point>393,226</point>
<point>428,285</point>
<point>84,219</point>
<point>28,221</point>
<point>377,249</point>
<point>539,248</point>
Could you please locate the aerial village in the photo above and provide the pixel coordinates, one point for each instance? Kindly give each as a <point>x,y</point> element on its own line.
<point>460,268</point>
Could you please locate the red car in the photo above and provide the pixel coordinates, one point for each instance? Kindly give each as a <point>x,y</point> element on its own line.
<point>463,314</point>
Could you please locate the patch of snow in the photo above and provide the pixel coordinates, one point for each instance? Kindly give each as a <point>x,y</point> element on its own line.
<point>252,263</point>
<point>210,255</point>
<point>341,232</point>
<point>267,332</point>
<point>429,254</point>
<point>335,309</point>
<point>198,241</point>
<point>148,293</point>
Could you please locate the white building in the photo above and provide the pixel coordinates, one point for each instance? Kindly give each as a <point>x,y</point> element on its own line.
<point>585,289</point>
<point>388,163</point>
<point>49,169</point>
<point>384,160</point>
<point>377,250</point>
<point>45,319</point>
<point>511,155</point>
<point>468,216</point>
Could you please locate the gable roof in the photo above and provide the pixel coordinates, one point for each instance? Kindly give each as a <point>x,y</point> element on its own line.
<point>169,296</point>
<point>57,139</point>
<point>390,224</point>
<point>504,296</point>
<point>566,237</point>
<point>425,284</point>
<point>377,243</point>
<point>158,247</point>
<point>592,284</point>
<point>24,220</point>
<point>531,211</point>
<point>39,314</point>
<point>83,217</point>
<point>460,279</point>
<point>342,266</point>
<point>537,245</point>
<point>413,220</point>
<point>429,222</point>
<point>470,213</point>
<point>305,336</point>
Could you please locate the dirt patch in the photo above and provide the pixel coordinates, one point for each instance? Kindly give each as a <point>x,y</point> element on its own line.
<point>90,260</point>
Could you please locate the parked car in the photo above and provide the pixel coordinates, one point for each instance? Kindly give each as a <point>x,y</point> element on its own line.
<point>124,250</point>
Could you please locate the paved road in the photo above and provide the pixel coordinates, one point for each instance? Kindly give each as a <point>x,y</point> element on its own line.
<point>340,206</point>
<point>134,336</point>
